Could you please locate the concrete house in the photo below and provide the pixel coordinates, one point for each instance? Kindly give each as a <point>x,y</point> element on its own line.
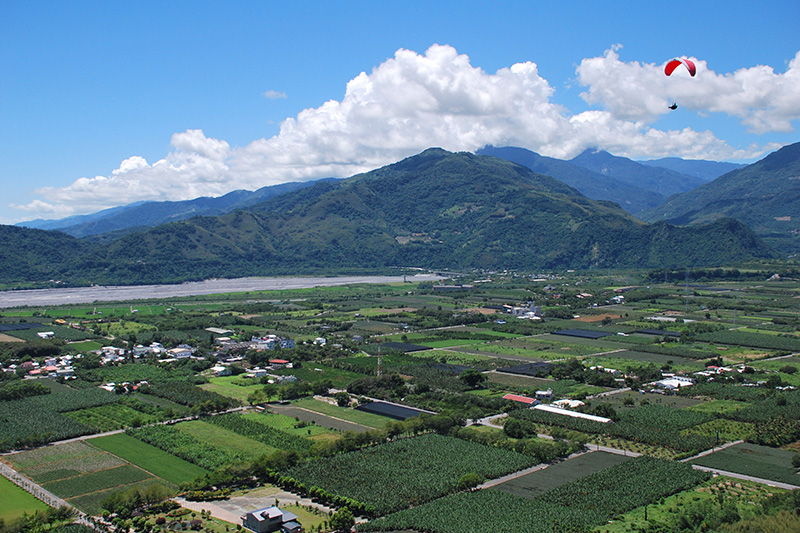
<point>271,519</point>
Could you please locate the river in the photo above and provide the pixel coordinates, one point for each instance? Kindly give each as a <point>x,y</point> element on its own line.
<point>84,295</point>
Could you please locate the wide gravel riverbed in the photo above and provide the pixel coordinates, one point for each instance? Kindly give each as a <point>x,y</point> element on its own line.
<point>83,295</point>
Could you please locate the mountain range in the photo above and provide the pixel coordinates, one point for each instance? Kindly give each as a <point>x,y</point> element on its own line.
<point>436,209</point>
<point>764,195</point>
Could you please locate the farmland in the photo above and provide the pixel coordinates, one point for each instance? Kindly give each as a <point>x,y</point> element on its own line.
<point>16,501</point>
<point>407,471</point>
<point>753,460</point>
<point>303,432</point>
<point>554,476</point>
<point>149,458</point>
<point>80,473</point>
<point>585,502</point>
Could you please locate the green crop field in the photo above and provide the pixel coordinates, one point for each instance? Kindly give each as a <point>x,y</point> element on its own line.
<point>617,401</point>
<point>589,501</point>
<point>15,501</point>
<point>453,357</point>
<point>718,406</point>
<point>110,417</point>
<point>224,439</point>
<point>753,460</point>
<point>49,457</point>
<point>236,387</point>
<point>150,458</point>
<point>407,471</point>
<point>553,476</point>
<point>94,481</point>
<point>91,502</point>
<point>748,497</point>
<point>313,372</point>
<point>518,380</point>
<point>79,472</point>
<point>630,358</point>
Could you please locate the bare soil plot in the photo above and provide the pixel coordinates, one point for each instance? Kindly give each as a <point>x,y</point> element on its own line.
<point>596,318</point>
<point>553,476</point>
<point>318,418</point>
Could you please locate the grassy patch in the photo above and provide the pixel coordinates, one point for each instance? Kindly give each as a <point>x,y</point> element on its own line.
<point>727,430</point>
<point>84,346</point>
<point>16,501</point>
<point>747,495</point>
<point>224,439</point>
<point>235,387</point>
<point>289,425</point>
<point>150,458</point>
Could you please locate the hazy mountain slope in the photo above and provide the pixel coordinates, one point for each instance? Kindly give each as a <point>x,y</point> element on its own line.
<point>764,195</point>
<point>592,184</point>
<point>660,180</point>
<point>118,221</point>
<point>705,170</point>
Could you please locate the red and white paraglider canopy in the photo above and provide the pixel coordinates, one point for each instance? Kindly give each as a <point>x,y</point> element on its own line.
<point>672,65</point>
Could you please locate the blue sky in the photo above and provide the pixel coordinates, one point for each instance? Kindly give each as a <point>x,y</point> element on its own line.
<point>106,103</point>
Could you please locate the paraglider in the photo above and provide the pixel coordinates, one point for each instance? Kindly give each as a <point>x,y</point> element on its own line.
<point>670,68</point>
<point>675,63</point>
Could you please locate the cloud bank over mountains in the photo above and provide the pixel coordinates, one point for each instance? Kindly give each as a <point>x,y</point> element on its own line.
<point>415,101</point>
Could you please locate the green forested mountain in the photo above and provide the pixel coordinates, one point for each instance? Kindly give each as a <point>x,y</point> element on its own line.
<point>39,255</point>
<point>437,209</point>
<point>764,195</point>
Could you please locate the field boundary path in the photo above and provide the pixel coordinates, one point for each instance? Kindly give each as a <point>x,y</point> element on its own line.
<point>769,482</point>
<point>712,450</point>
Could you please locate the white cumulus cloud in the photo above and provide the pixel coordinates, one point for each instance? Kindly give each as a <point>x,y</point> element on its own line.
<point>763,100</point>
<point>415,101</point>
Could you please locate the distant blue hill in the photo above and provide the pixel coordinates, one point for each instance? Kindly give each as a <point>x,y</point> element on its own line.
<point>593,184</point>
<point>652,178</point>
<point>705,170</point>
<point>118,221</point>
